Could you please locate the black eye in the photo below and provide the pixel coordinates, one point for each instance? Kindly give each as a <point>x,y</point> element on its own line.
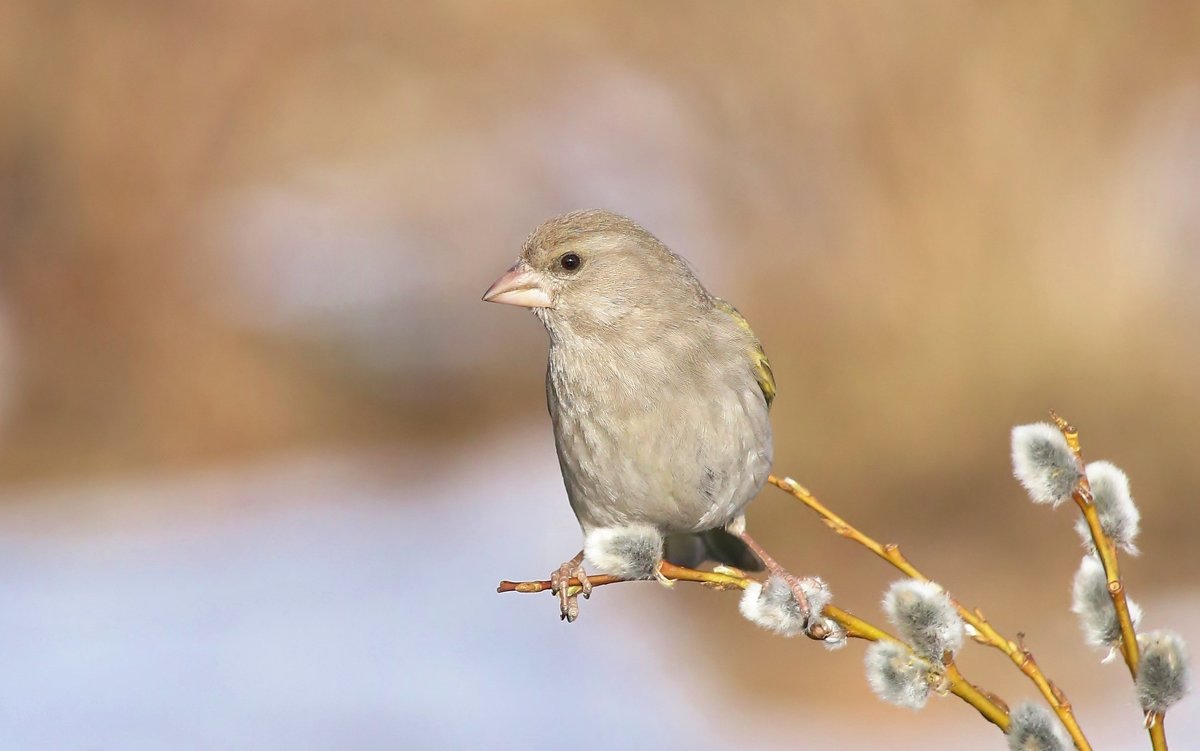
<point>569,261</point>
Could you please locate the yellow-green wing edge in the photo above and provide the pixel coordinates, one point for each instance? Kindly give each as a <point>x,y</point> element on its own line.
<point>762,366</point>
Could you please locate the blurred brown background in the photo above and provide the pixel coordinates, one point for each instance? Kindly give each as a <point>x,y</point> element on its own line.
<point>242,243</point>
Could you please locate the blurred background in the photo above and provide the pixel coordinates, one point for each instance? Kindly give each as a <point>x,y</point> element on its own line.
<point>264,454</point>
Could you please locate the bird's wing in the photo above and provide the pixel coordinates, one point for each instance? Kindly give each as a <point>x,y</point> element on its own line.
<point>762,366</point>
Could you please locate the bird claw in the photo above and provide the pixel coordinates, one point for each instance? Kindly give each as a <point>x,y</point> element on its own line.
<point>568,594</point>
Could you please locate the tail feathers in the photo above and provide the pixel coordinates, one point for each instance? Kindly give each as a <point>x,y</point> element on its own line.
<point>716,545</point>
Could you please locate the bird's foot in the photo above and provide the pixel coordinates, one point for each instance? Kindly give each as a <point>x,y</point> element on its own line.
<point>568,594</point>
<point>798,591</point>
<point>794,583</point>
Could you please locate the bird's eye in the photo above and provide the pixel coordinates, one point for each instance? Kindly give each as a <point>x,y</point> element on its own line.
<point>569,261</point>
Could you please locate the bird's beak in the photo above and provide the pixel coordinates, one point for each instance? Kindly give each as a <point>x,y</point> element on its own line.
<point>518,286</point>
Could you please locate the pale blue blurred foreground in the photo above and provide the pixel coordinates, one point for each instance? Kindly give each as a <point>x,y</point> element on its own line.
<point>347,602</point>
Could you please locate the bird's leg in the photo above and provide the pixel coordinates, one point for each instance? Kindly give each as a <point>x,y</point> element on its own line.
<point>560,584</point>
<point>775,569</point>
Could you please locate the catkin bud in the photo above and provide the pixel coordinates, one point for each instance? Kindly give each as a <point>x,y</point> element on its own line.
<point>925,617</point>
<point>896,675</point>
<point>1035,728</point>
<point>631,552</point>
<point>1044,463</point>
<point>1119,516</point>
<point>1091,601</point>
<point>774,607</point>
<point>1164,676</point>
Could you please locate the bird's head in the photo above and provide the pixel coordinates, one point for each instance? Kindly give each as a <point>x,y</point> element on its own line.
<point>594,268</point>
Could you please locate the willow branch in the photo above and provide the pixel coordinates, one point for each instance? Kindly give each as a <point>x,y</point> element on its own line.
<point>1107,551</point>
<point>984,632</point>
<point>1104,547</point>
<point>669,570</point>
<point>991,708</point>
<point>1158,732</point>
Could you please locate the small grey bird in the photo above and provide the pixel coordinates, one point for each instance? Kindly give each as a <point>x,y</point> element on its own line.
<point>658,392</point>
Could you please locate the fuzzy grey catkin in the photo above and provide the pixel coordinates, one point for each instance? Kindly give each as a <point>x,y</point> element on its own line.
<point>1119,515</point>
<point>631,552</point>
<point>773,605</point>
<point>896,675</point>
<point>1035,728</point>
<point>1164,675</point>
<point>1043,463</point>
<point>925,617</point>
<point>1091,601</point>
<point>817,592</point>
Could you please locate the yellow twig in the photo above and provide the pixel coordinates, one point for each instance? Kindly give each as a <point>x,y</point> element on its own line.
<point>991,709</point>
<point>669,570</point>
<point>1107,551</point>
<point>984,632</point>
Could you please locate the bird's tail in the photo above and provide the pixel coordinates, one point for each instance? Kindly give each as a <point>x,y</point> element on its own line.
<point>716,545</point>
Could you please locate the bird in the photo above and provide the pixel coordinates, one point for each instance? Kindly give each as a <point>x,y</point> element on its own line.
<point>659,395</point>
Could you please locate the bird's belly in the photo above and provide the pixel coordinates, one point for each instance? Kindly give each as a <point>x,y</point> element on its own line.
<point>679,466</point>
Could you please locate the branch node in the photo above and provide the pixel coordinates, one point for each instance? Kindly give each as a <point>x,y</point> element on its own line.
<point>1058,694</point>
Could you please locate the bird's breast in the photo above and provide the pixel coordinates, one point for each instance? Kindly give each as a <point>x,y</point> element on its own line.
<point>638,442</point>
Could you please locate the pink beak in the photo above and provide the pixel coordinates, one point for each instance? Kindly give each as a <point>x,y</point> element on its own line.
<point>518,286</point>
